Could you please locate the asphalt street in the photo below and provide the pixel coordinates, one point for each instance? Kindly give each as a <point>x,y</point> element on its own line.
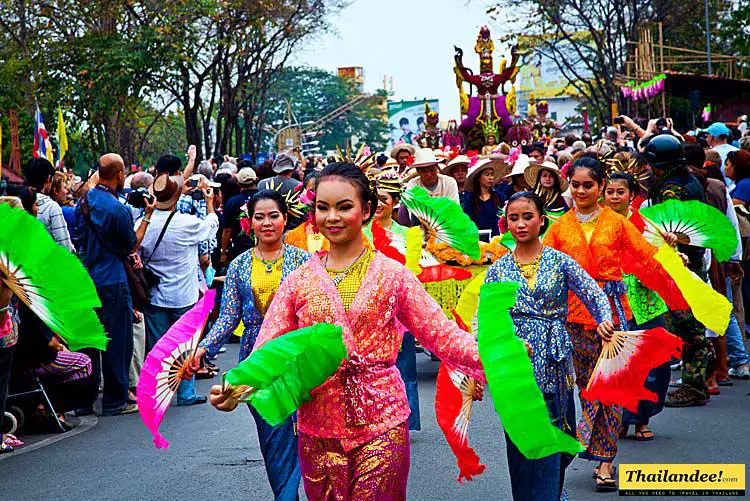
<point>216,456</point>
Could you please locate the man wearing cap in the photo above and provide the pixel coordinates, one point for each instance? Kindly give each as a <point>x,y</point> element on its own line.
<point>401,153</point>
<point>233,243</point>
<point>718,139</point>
<point>283,182</point>
<point>170,251</point>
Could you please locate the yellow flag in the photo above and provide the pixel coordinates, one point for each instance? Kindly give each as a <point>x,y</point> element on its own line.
<point>62,137</point>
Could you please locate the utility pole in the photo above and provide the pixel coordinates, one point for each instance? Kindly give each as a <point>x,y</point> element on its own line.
<point>708,38</point>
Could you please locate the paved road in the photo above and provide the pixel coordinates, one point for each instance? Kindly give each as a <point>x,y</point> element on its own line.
<point>215,455</point>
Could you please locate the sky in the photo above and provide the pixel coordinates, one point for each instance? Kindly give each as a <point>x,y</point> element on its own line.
<point>410,40</point>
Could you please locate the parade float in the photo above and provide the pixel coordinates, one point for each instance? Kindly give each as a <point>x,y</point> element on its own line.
<point>494,104</point>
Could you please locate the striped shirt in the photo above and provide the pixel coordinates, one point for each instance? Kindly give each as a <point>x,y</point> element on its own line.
<point>51,216</point>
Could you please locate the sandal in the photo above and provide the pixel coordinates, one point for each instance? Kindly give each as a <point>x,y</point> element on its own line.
<point>644,435</point>
<point>207,373</point>
<point>605,484</point>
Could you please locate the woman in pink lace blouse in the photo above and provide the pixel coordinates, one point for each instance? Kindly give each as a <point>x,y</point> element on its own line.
<point>353,434</point>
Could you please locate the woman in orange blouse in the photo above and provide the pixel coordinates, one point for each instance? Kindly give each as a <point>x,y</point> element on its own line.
<point>600,240</point>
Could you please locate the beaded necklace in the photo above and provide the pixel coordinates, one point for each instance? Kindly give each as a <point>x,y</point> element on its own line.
<point>270,263</point>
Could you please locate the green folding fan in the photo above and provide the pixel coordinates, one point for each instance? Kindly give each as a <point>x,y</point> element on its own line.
<point>49,280</point>
<point>279,376</point>
<point>445,220</point>
<point>694,223</point>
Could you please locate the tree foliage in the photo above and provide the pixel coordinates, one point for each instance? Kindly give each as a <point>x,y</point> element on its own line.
<point>313,93</point>
<point>587,40</point>
<point>125,69</point>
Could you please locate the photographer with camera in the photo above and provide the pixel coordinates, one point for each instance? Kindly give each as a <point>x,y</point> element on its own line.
<point>106,244</point>
<point>655,127</point>
<point>170,257</point>
<point>192,202</point>
<point>139,195</point>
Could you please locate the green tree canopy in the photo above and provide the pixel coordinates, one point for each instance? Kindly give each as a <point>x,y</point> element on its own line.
<point>313,93</point>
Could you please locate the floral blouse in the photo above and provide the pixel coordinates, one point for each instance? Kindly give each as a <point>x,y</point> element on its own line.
<point>365,397</point>
<point>614,242</point>
<point>540,313</point>
<point>238,302</point>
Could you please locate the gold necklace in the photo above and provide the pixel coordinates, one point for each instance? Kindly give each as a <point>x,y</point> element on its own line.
<point>342,274</point>
<point>527,269</point>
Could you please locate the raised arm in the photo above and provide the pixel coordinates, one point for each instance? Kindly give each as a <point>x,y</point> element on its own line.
<point>459,67</point>
<point>190,167</point>
<point>424,318</point>
<point>231,312</point>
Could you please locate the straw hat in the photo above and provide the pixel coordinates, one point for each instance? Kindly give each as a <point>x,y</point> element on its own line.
<point>402,146</point>
<point>532,174</point>
<point>481,165</point>
<point>459,160</point>
<point>424,157</point>
<point>441,155</point>
<point>520,166</point>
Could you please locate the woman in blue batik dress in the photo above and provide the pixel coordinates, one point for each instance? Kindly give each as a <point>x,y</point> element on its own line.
<point>545,276</point>
<point>250,285</point>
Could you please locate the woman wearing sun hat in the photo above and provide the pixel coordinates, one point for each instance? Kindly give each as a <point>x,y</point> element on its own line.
<point>515,181</point>
<point>482,202</point>
<point>547,181</point>
<point>457,168</point>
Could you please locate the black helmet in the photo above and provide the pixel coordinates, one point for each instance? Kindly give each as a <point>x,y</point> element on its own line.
<point>663,151</point>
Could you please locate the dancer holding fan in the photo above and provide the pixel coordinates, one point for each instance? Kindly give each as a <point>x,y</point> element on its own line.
<point>600,240</point>
<point>648,310</point>
<point>251,283</point>
<point>545,276</point>
<point>353,434</point>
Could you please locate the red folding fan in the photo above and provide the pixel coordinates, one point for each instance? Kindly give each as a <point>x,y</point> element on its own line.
<point>624,364</point>
<point>454,392</point>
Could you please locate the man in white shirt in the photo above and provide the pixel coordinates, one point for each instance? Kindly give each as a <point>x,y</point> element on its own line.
<point>718,139</point>
<point>436,184</point>
<point>39,173</point>
<point>172,255</point>
<point>428,177</point>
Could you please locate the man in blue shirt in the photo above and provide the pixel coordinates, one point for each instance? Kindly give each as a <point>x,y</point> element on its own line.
<point>106,239</point>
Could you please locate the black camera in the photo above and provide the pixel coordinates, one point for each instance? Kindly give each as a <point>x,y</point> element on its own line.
<point>661,123</point>
<point>619,120</point>
<point>193,183</point>
<point>137,198</point>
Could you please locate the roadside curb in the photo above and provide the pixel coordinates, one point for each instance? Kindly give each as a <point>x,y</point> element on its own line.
<point>87,422</point>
